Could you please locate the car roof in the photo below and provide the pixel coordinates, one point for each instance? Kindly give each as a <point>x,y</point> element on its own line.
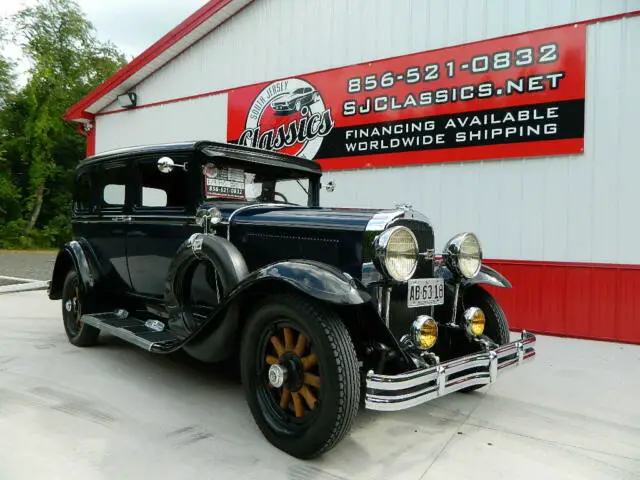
<point>212,149</point>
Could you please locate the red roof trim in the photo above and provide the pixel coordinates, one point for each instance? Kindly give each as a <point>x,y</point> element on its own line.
<point>189,25</point>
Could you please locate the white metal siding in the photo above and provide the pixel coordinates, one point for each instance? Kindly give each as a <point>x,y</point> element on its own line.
<point>560,208</point>
<point>205,118</point>
<point>578,208</point>
<point>278,38</point>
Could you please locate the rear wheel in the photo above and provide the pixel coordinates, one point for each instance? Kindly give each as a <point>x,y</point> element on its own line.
<point>78,333</point>
<point>496,324</point>
<point>300,375</point>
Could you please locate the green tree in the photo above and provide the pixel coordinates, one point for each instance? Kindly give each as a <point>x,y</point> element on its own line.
<point>66,61</point>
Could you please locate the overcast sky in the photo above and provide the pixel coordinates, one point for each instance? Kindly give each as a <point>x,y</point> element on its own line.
<point>132,25</point>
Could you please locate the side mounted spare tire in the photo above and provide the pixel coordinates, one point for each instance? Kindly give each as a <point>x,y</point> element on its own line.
<point>227,261</point>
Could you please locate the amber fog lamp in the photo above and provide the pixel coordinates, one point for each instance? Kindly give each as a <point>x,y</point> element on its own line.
<point>424,332</point>
<point>463,255</point>
<point>474,321</point>
<point>396,253</point>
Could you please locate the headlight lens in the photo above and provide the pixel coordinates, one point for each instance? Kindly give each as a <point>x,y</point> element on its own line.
<point>463,255</point>
<point>396,251</point>
<point>424,332</point>
<point>474,321</point>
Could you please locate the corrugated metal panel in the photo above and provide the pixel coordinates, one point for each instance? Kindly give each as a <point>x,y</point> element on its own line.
<point>166,123</point>
<point>576,208</point>
<point>557,208</point>
<point>276,38</point>
<point>584,301</point>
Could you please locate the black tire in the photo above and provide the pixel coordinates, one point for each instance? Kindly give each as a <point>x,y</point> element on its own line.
<point>496,326</point>
<point>300,429</point>
<point>78,333</point>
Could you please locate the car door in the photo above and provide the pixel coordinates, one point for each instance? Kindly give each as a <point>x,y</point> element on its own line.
<point>107,231</point>
<point>162,218</point>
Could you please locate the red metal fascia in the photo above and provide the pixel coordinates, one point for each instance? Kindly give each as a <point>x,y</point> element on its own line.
<point>570,299</point>
<point>190,24</point>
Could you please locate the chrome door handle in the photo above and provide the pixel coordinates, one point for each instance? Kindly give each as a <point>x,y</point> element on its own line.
<point>121,218</point>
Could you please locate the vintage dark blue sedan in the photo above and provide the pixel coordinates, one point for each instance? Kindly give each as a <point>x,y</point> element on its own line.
<point>196,246</point>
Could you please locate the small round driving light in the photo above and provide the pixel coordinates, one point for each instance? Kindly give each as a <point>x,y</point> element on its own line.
<point>424,332</point>
<point>474,321</point>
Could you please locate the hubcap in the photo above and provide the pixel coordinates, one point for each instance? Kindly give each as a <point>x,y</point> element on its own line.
<point>277,375</point>
<point>72,307</point>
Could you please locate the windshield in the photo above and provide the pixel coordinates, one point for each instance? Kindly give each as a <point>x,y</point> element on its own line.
<point>241,184</point>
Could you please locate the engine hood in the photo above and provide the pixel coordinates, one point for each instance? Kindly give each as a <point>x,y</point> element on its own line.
<point>287,216</point>
<point>342,237</point>
<point>314,218</point>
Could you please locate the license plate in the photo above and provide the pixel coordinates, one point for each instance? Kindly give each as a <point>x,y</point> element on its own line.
<point>424,292</point>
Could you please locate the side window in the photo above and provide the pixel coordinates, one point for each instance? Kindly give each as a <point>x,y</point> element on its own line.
<point>113,187</point>
<point>82,193</point>
<point>161,190</point>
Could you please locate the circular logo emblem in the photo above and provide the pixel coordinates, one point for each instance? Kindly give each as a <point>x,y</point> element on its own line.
<point>288,116</point>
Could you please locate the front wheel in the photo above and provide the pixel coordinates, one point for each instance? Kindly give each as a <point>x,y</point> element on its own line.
<point>300,374</point>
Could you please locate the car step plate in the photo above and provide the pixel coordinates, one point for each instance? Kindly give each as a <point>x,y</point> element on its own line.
<point>131,329</point>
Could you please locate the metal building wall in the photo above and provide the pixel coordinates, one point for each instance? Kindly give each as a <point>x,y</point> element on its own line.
<point>278,38</point>
<point>559,227</point>
<point>172,122</point>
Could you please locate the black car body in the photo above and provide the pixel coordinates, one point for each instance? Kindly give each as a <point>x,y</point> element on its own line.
<point>325,309</point>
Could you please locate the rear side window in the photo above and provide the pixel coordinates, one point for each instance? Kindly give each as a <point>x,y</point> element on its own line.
<point>114,181</point>
<point>161,190</point>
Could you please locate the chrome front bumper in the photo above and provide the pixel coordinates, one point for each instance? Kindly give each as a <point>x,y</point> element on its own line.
<point>397,392</point>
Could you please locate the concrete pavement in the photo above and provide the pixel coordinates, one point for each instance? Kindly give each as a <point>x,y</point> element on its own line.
<point>114,411</point>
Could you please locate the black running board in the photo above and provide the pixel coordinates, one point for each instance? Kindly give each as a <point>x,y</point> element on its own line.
<point>132,330</point>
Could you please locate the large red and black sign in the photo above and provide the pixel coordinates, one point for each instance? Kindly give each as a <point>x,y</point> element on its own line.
<point>515,96</point>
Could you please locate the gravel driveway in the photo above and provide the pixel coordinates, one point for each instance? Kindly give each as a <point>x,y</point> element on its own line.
<point>36,265</point>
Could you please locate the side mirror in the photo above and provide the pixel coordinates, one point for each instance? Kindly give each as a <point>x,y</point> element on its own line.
<point>166,165</point>
<point>330,187</point>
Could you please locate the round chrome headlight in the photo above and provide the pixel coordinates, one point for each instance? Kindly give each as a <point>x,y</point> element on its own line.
<point>463,255</point>
<point>424,332</point>
<point>396,253</point>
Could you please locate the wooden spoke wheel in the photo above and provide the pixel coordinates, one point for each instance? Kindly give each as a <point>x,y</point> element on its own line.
<point>300,374</point>
<point>77,332</point>
<point>293,372</point>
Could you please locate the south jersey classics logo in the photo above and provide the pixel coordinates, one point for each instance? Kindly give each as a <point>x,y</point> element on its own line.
<point>288,116</point>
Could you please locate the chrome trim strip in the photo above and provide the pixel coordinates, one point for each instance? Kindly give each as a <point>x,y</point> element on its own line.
<point>397,392</point>
<point>381,219</point>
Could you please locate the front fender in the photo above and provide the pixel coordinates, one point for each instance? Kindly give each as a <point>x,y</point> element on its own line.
<point>318,280</point>
<point>73,255</point>
<point>486,276</point>
<point>215,338</point>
